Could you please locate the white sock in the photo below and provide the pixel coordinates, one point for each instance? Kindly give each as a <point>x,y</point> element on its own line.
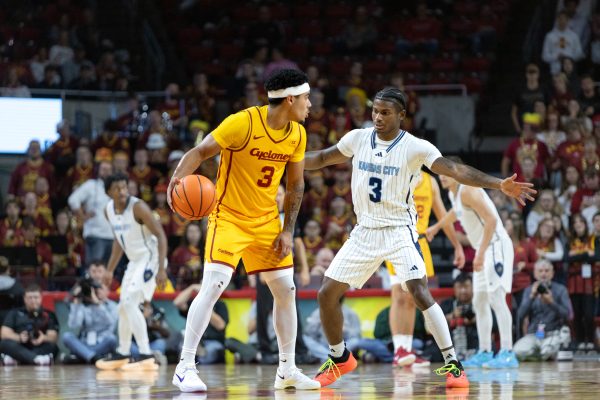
<point>124,332</point>
<point>337,350</point>
<point>438,326</point>
<point>137,322</point>
<point>404,341</point>
<point>285,320</point>
<point>398,341</point>
<point>216,279</point>
<point>503,317</point>
<point>481,304</point>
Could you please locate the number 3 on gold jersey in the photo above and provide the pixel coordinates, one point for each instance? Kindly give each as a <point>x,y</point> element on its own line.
<point>267,178</point>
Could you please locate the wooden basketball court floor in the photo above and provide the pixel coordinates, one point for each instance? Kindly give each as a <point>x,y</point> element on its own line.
<point>578,380</point>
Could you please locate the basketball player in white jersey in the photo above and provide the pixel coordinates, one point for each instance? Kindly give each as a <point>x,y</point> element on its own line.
<point>386,162</point>
<point>140,236</point>
<point>492,276</point>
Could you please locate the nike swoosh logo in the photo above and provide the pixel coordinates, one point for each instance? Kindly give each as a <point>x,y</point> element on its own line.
<point>258,137</point>
<point>279,376</point>
<point>181,378</point>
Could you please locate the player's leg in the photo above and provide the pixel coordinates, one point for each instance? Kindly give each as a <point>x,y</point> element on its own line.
<point>481,305</point>
<point>499,255</point>
<point>410,268</point>
<point>402,320</point>
<point>215,279</point>
<point>352,266</point>
<point>281,284</point>
<point>121,357</point>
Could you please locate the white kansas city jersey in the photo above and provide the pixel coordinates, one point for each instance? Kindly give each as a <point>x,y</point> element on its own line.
<point>138,243</point>
<point>385,174</point>
<point>471,222</point>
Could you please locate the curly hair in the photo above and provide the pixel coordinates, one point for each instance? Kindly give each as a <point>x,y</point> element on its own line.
<point>284,78</point>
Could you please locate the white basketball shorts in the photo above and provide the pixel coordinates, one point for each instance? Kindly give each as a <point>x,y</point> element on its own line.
<point>139,280</point>
<point>367,248</point>
<point>497,267</point>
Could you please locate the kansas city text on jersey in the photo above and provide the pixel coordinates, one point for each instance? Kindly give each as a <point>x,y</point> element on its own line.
<point>378,169</point>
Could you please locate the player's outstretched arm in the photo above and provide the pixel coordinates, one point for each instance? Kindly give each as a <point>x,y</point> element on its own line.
<point>473,177</point>
<point>191,160</point>
<point>322,158</point>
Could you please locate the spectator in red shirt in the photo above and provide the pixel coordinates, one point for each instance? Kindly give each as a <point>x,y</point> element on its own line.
<point>82,171</point>
<point>62,152</point>
<point>584,196</point>
<point>338,224</point>
<point>313,241</point>
<point>145,176</point>
<point>121,162</point>
<point>561,94</point>
<point>315,200</point>
<point>161,208</point>
<point>23,178</point>
<point>525,258</point>
<point>526,145</point>
<point>422,31</point>
<point>42,249</point>
<point>67,264</point>
<point>43,224</point>
<point>11,227</point>
<point>45,204</point>
<point>341,184</point>
<point>186,261</point>
<point>109,138</point>
<point>547,243</point>
<point>590,158</point>
<point>173,106</point>
<point>571,150</point>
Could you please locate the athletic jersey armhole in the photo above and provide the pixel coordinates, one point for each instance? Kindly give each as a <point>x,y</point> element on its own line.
<point>248,134</point>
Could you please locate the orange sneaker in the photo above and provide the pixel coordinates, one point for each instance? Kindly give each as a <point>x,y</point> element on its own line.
<point>331,371</point>
<point>455,375</point>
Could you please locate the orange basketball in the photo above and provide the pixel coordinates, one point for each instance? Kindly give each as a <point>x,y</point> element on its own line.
<point>194,197</point>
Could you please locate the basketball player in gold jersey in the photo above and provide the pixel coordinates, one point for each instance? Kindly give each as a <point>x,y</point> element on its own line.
<point>427,197</point>
<point>256,145</point>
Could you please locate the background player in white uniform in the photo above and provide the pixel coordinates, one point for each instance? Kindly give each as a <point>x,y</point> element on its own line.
<point>386,162</point>
<point>492,276</point>
<point>140,236</point>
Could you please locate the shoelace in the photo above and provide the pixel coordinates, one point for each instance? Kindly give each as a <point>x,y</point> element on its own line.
<point>448,368</point>
<point>330,366</point>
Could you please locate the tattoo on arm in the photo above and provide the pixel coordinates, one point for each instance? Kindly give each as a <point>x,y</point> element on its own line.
<point>291,205</point>
<point>465,174</point>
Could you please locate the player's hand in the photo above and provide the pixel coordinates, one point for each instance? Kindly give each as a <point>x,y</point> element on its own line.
<point>283,244</point>
<point>520,191</point>
<point>431,232</point>
<point>174,181</point>
<point>304,278</point>
<point>161,278</point>
<point>459,257</point>
<point>107,279</point>
<point>478,261</point>
<point>24,337</point>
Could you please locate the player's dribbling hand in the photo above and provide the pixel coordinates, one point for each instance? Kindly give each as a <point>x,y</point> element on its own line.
<point>161,279</point>
<point>283,244</point>
<point>521,191</point>
<point>174,181</point>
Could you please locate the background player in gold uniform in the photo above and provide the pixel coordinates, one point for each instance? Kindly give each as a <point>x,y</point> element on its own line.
<point>256,147</point>
<point>427,197</point>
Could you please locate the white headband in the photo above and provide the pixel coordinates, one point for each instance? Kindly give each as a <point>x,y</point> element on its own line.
<point>290,91</point>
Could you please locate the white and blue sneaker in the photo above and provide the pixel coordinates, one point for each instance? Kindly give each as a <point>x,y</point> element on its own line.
<point>294,378</point>
<point>187,380</point>
<point>478,359</point>
<point>504,359</point>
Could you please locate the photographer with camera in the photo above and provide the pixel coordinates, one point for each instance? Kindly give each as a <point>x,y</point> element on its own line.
<point>158,333</point>
<point>547,307</point>
<point>92,321</point>
<point>29,334</point>
<point>461,317</point>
